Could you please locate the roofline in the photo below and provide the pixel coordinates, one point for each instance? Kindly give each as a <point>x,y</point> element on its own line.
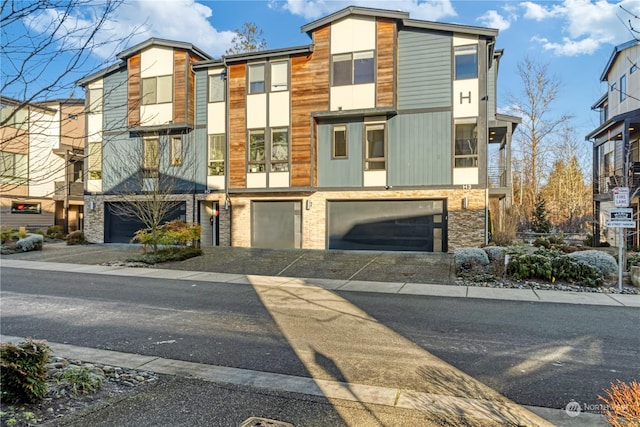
<point>162,42</point>
<point>454,28</point>
<point>63,101</point>
<point>245,56</point>
<point>100,73</point>
<point>353,10</point>
<point>612,122</point>
<point>616,50</point>
<point>32,104</point>
<point>600,101</point>
<point>207,64</point>
<point>508,118</point>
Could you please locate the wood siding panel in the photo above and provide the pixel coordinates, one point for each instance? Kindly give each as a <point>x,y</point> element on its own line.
<point>179,86</point>
<point>386,42</point>
<point>237,125</point>
<point>134,88</point>
<point>191,88</point>
<point>309,93</point>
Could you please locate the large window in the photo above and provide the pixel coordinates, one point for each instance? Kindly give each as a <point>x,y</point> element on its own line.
<point>466,62</point>
<point>95,100</point>
<point>95,160</point>
<point>256,78</point>
<point>279,150</point>
<point>216,154</point>
<point>25,208</point>
<point>279,76</point>
<point>14,168</point>
<point>150,157</point>
<point>176,151</point>
<point>216,88</point>
<point>623,87</point>
<point>18,120</point>
<point>353,68</point>
<point>157,90</point>
<point>375,158</point>
<point>466,150</point>
<point>339,144</point>
<point>256,151</point>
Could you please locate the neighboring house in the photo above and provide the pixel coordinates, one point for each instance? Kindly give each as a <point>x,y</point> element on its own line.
<point>616,148</point>
<point>382,134</point>
<point>42,147</point>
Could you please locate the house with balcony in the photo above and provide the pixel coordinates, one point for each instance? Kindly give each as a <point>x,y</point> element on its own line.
<point>381,134</point>
<point>616,151</point>
<point>42,149</point>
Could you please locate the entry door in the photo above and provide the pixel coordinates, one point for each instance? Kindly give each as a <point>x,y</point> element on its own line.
<point>276,224</point>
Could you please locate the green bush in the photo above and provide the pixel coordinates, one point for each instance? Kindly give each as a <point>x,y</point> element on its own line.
<point>55,232</point>
<point>5,234</point>
<point>23,366</point>
<point>601,261</point>
<point>167,255</point>
<point>552,265</point>
<point>76,238</point>
<point>633,260</point>
<point>171,233</point>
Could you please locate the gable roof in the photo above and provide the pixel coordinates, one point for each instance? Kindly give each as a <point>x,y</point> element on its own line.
<point>162,42</point>
<point>614,56</point>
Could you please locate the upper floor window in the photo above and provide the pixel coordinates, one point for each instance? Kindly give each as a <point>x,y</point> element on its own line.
<point>279,150</point>
<point>95,160</point>
<point>623,87</point>
<point>353,68</point>
<point>466,149</point>
<point>279,76</point>
<point>216,88</point>
<point>339,143</point>
<point>256,78</point>
<point>375,150</point>
<point>216,154</point>
<point>176,151</point>
<point>19,119</point>
<point>633,68</point>
<point>157,90</point>
<point>13,168</point>
<point>466,62</point>
<point>150,157</point>
<point>256,151</point>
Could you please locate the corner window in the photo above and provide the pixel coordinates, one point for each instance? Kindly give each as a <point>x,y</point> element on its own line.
<point>466,149</point>
<point>157,90</point>
<point>353,68</point>
<point>375,147</point>
<point>256,151</point>
<point>279,76</point>
<point>339,143</point>
<point>176,151</point>
<point>150,157</point>
<point>94,103</point>
<point>279,150</point>
<point>623,87</point>
<point>14,168</point>
<point>466,62</point>
<point>216,154</point>
<point>25,208</point>
<point>216,88</point>
<point>256,78</point>
<point>95,160</point>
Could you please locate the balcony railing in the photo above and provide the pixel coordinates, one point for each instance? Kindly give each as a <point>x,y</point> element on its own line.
<point>75,189</point>
<point>497,177</point>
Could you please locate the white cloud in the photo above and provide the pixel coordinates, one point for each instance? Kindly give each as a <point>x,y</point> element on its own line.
<point>493,19</point>
<point>431,10</point>
<point>587,24</point>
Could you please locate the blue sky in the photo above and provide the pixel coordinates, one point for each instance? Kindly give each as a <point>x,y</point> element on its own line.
<point>574,37</point>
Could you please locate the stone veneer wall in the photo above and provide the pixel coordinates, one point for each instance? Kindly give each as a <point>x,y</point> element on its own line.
<point>466,227</point>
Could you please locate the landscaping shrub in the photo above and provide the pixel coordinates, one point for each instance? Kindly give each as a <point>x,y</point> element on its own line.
<point>55,232</point>
<point>604,263</point>
<point>502,238</point>
<point>171,233</point>
<point>495,253</point>
<point>82,380</point>
<point>167,255</point>
<point>623,404</point>
<point>76,238</point>
<point>470,258</point>
<point>633,260</point>
<point>23,371</point>
<point>32,242</point>
<point>5,234</point>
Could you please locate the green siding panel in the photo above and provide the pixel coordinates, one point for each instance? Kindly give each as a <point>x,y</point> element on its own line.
<point>115,101</point>
<point>201,97</point>
<point>420,149</point>
<point>424,70</point>
<point>340,172</point>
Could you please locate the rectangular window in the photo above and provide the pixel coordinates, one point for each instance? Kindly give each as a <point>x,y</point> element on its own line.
<point>256,151</point>
<point>18,120</point>
<point>356,68</point>
<point>176,151</point>
<point>375,147</point>
<point>150,157</point>
<point>95,100</point>
<point>14,168</point>
<point>279,150</point>
<point>623,87</point>
<point>339,146</point>
<point>157,90</point>
<point>95,160</point>
<point>466,150</point>
<point>256,78</point>
<point>216,88</point>
<point>25,208</point>
<point>633,68</point>
<point>466,62</point>
<point>216,154</point>
<point>279,76</point>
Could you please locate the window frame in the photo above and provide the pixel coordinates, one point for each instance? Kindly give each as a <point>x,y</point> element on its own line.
<point>334,129</point>
<point>14,168</point>
<point>94,169</point>
<point>369,159</point>
<point>213,162</point>
<point>36,208</point>
<point>352,66</point>
<point>279,86</point>
<point>273,163</point>
<point>473,155</point>
<point>459,52</point>
<point>623,87</point>
<point>258,164</point>
<point>150,166</point>
<point>176,146</point>
<point>250,89</point>
<point>219,79</point>
<point>155,90</point>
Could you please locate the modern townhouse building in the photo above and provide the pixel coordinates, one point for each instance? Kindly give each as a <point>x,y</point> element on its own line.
<point>381,134</point>
<point>42,148</point>
<point>616,141</point>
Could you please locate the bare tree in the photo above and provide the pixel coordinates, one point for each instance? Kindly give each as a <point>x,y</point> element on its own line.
<point>534,104</point>
<point>248,38</point>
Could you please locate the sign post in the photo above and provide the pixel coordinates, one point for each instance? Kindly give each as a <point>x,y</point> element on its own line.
<point>621,218</point>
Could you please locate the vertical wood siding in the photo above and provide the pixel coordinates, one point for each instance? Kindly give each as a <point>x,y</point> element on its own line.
<point>179,86</point>
<point>191,82</point>
<point>386,41</point>
<point>134,87</point>
<point>309,92</point>
<point>237,125</point>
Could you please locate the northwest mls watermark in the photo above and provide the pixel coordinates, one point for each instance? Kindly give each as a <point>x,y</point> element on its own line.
<point>573,408</point>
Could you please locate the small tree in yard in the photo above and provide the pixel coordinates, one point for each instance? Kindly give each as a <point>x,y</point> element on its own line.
<point>540,222</point>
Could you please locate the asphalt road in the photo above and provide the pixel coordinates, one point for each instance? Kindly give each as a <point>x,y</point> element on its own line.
<point>533,353</point>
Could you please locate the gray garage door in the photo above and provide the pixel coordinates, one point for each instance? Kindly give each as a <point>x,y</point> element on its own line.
<point>120,229</point>
<point>387,225</point>
<point>276,224</point>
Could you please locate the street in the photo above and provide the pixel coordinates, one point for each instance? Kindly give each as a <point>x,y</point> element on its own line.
<point>533,353</point>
